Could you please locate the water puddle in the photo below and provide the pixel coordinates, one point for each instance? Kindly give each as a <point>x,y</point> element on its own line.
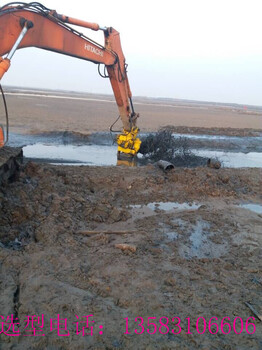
<point>193,240</point>
<point>200,242</point>
<point>171,236</point>
<point>140,211</point>
<point>198,238</point>
<point>154,207</point>
<point>257,208</point>
<point>168,206</point>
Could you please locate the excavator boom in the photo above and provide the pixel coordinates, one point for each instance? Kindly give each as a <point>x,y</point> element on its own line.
<point>33,25</point>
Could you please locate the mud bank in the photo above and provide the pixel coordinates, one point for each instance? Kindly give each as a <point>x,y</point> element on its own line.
<point>200,259</point>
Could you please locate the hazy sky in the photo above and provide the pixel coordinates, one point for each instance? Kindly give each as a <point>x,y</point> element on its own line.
<point>190,49</point>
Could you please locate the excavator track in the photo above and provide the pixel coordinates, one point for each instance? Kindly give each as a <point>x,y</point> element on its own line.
<point>11,159</point>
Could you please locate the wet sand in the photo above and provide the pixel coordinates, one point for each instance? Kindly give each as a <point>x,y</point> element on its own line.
<point>200,259</point>
<point>40,111</point>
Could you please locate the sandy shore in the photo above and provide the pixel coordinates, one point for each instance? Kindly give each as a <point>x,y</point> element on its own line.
<point>40,111</point>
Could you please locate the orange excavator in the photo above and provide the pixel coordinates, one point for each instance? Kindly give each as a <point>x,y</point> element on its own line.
<point>33,25</point>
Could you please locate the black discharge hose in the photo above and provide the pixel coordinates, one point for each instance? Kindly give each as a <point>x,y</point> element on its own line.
<point>6,115</point>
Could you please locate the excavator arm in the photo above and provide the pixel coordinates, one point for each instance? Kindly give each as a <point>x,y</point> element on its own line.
<point>33,25</point>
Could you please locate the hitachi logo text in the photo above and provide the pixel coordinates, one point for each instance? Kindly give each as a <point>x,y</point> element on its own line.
<point>94,50</point>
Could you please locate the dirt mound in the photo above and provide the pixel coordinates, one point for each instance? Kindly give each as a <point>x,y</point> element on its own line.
<point>196,261</point>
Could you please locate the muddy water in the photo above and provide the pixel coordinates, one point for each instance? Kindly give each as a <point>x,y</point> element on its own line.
<point>140,211</point>
<point>233,159</point>
<point>72,155</point>
<point>223,142</point>
<point>98,149</point>
<point>169,206</point>
<point>198,240</point>
<point>257,208</point>
<point>200,243</point>
<point>101,155</point>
